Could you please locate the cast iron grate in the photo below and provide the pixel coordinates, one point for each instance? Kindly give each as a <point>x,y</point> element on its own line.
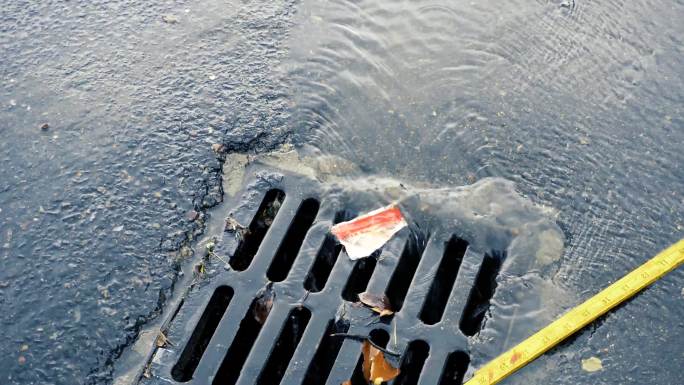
<point>268,319</point>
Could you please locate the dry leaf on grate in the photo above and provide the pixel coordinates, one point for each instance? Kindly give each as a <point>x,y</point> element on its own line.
<point>264,303</point>
<point>376,369</point>
<point>379,303</point>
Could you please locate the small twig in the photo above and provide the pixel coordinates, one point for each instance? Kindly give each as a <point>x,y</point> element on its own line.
<point>212,254</point>
<point>359,337</point>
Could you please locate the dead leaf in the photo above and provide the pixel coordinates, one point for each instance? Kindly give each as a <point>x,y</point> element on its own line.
<point>375,368</point>
<point>379,303</point>
<point>264,303</point>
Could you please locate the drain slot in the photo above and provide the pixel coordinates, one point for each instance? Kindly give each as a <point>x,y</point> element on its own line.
<point>481,293</point>
<point>288,249</point>
<point>247,333</point>
<point>380,338</point>
<point>197,344</point>
<point>285,346</point>
<point>412,364</point>
<point>455,369</point>
<point>438,295</point>
<point>326,354</point>
<point>251,239</point>
<point>406,268</point>
<point>325,260</point>
<point>358,278</point>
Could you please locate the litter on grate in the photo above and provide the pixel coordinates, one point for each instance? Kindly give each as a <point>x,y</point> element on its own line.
<point>280,311</point>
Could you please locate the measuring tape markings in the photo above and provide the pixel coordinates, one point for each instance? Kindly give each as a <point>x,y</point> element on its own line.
<point>580,316</point>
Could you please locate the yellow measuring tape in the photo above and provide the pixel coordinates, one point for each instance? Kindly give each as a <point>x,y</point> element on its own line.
<point>577,318</point>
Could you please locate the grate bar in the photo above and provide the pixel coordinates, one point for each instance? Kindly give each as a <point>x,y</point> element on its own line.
<point>291,244</point>
<point>275,235</point>
<point>422,280</point>
<point>304,353</point>
<point>313,242</point>
<point>387,263</point>
<point>412,363</point>
<point>460,293</point>
<point>345,364</point>
<point>433,367</point>
<point>223,336</point>
<point>263,345</point>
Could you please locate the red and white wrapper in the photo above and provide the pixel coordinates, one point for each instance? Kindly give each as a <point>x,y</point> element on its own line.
<point>364,234</point>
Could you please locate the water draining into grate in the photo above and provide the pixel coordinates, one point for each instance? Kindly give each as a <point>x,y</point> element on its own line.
<point>275,317</point>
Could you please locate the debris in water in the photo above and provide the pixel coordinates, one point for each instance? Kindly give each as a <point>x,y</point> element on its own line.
<point>218,148</point>
<point>364,234</point>
<point>264,303</point>
<point>210,246</point>
<point>169,19</point>
<point>376,369</point>
<point>233,226</point>
<point>162,340</point>
<point>592,364</point>
<point>44,127</point>
<point>200,270</point>
<point>379,303</point>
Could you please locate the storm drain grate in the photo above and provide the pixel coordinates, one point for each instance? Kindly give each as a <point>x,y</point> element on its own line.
<point>268,319</point>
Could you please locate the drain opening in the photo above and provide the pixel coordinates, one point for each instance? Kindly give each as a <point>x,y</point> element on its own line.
<point>412,363</point>
<point>438,295</point>
<point>285,346</point>
<point>289,247</point>
<point>455,369</point>
<point>481,293</point>
<point>325,259</point>
<point>406,268</point>
<point>380,338</point>
<point>326,354</point>
<point>197,344</point>
<point>359,277</point>
<point>247,333</point>
<point>251,239</point>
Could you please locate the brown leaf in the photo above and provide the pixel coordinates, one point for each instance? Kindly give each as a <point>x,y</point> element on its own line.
<point>264,303</point>
<point>379,303</point>
<point>367,360</point>
<point>375,368</point>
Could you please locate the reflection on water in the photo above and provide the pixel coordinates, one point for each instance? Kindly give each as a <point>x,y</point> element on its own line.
<point>578,102</point>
